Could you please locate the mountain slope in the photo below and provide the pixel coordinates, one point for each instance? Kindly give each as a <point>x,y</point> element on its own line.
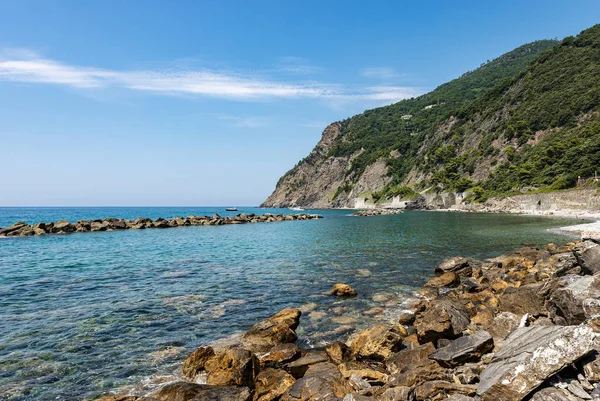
<point>525,119</point>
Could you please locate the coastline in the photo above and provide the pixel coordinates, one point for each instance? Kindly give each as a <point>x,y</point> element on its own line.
<point>457,339</point>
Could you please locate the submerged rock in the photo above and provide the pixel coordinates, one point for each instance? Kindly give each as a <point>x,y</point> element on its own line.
<point>529,356</point>
<point>343,290</point>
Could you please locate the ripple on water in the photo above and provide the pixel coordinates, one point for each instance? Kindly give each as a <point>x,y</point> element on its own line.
<point>84,315</point>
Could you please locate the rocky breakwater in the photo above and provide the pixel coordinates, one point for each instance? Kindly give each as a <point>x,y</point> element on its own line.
<point>377,212</point>
<point>522,326</point>
<point>21,229</point>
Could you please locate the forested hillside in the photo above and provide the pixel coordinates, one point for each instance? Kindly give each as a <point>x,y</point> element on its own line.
<point>526,120</point>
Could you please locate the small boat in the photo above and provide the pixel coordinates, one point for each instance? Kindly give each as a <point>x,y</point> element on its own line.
<point>296,208</point>
<point>231,209</point>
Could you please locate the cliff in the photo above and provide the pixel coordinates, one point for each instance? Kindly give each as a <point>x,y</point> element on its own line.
<point>527,120</point>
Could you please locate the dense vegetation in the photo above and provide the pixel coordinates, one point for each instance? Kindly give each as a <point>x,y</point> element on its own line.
<point>526,121</point>
<point>403,126</point>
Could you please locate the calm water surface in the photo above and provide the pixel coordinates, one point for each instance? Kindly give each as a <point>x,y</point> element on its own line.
<point>85,314</point>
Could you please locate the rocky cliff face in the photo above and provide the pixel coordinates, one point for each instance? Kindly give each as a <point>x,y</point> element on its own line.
<point>527,120</point>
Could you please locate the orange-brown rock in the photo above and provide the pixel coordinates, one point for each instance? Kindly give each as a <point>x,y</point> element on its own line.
<point>279,328</point>
<point>448,279</point>
<point>232,366</point>
<point>271,383</point>
<point>443,318</point>
<point>378,343</point>
<point>343,290</point>
<point>280,354</point>
<point>194,363</point>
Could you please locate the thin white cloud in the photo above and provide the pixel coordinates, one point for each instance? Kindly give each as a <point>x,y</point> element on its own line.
<point>245,122</point>
<point>383,73</point>
<point>28,67</point>
<point>297,66</point>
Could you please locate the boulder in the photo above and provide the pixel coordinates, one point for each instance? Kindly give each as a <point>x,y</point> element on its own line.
<point>279,328</point>
<point>178,391</point>
<point>502,326</point>
<point>464,349</point>
<point>529,356</point>
<point>370,372</point>
<point>14,229</point>
<point>63,227</point>
<point>459,265</point>
<point>414,375</point>
<point>409,357</point>
<point>343,290</point>
<point>400,393</point>
<point>443,318</point>
<point>338,352</point>
<point>378,342</point>
<point>271,383</point>
<point>587,254</point>
<point>591,367</point>
<point>407,317</point>
<point>322,382</point>
<point>124,398</point>
<point>299,367</point>
<point>194,363</point>
<point>565,302</point>
<point>435,389</point>
<point>528,299</point>
<point>223,393</point>
<point>280,354</point>
<point>232,366</point>
<point>554,394</point>
<point>357,397</point>
<point>448,279</point>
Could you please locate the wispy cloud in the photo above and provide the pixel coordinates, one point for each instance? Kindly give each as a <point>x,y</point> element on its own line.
<point>297,66</point>
<point>245,122</point>
<point>28,67</point>
<point>383,73</point>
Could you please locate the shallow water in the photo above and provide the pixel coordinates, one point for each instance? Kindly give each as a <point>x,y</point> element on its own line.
<point>84,314</point>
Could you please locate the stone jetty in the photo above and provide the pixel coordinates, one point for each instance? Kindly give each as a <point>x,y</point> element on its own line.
<point>522,326</point>
<point>21,229</point>
<point>377,212</point>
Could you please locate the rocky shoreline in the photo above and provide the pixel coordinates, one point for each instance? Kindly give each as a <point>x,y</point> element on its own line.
<point>522,326</point>
<point>377,212</point>
<point>21,229</point>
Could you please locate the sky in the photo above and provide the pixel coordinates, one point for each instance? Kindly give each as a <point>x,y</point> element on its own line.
<point>117,103</point>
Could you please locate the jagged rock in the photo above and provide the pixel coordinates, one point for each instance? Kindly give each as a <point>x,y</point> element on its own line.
<point>378,342</point>
<point>343,290</point>
<point>280,354</point>
<point>124,398</point>
<point>588,256</point>
<point>406,318</point>
<point>194,363</point>
<point>502,326</point>
<point>338,352</point>
<point>464,349</point>
<point>430,389</point>
<point>232,366</point>
<point>357,397</point>
<point>443,318</point>
<point>565,302</point>
<point>178,391</point>
<point>413,375</point>
<point>318,388</point>
<point>459,265</point>
<point>63,227</point>
<point>371,373</point>
<point>409,357</point>
<point>225,393</point>
<point>529,356</point>
<point>528,299</point>
<point>459,397</point>
<point>400,393</point>
<point>299,367</point>
<point>591,367</point>
<point>279,328</point>
<point>448,279</point>
<point>554,394</point>
<point>271,383</point>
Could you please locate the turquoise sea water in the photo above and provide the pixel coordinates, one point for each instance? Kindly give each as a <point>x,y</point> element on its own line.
<point>85,314</point>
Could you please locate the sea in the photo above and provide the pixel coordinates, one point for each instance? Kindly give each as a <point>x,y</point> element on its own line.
<point>88,314</point>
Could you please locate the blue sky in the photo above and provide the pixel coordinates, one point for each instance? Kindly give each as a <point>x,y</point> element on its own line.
<point>210,102</point>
